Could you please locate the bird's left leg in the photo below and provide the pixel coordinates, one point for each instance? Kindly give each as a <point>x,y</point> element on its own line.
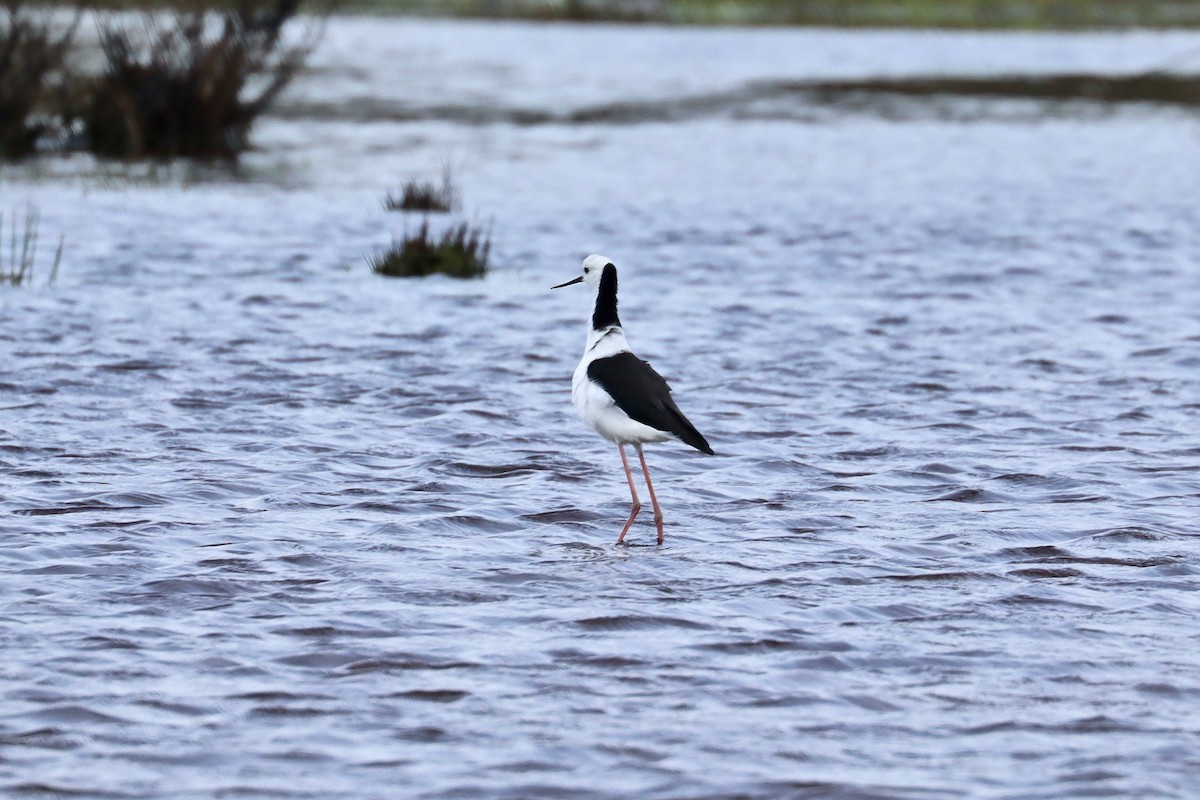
<point>658,522</point>
<point>637,504</point>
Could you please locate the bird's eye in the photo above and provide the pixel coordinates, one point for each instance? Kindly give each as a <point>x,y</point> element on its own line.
<point>586,270</point>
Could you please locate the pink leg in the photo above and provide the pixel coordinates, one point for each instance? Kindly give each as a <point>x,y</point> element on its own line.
<point>650,486</point>
<point>637,504</point>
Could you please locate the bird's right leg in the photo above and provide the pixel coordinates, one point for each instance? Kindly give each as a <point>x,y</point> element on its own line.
<point>637,504</point>
<point>653,500</point>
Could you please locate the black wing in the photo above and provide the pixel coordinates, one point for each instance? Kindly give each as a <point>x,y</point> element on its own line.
<point>642,393</point>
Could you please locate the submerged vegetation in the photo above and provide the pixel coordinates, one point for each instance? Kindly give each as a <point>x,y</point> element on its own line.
<point>189,80</point>
<point>418,195</point>
<point>18,258</point>
<point>1148,87</point>
<point>460,252</point>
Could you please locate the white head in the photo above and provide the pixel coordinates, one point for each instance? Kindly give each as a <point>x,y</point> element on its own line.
<point>593,267</point>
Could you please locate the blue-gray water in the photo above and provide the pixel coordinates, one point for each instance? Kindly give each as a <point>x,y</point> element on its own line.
<point>274,527</point>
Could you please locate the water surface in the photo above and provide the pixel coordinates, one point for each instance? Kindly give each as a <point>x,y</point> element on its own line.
<point>275,527</point>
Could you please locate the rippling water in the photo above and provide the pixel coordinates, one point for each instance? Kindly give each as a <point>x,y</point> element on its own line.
<point>275,527</point>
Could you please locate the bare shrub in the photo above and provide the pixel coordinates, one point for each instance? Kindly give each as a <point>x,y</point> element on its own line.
<point>192,81</point>
<point>32,62</point>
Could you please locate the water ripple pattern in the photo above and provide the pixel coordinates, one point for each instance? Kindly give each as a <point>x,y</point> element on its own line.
<point>274,527</point>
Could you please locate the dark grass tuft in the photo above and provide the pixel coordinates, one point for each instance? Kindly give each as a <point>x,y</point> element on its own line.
<point>18,258</point>
<point>461,252</point>
<point>192,82</point>
<point>424,195</point>
<point>33,59</point>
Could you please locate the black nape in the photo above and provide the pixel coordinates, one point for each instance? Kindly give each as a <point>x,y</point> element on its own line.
<point>606,300</point>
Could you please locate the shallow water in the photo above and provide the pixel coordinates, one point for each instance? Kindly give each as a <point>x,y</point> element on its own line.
<point>275,527</point>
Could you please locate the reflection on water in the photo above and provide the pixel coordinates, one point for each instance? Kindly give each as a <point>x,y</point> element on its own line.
<point>277,527</point>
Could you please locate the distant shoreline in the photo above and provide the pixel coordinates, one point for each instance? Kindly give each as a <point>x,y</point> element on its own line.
<point>997,15</point>
<point>1033,15</point>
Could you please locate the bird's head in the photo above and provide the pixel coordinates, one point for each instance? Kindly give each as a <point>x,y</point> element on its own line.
<point>593,268</point>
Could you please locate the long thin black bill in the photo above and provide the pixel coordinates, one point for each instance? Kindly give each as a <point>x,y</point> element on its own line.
<point>568,283</point>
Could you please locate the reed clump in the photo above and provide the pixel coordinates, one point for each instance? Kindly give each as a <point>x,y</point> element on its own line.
<point>17,260</point>
<point>425,196</point>
<point>460,252</point>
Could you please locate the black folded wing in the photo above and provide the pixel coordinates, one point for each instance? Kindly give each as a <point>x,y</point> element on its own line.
<point>642,393</point>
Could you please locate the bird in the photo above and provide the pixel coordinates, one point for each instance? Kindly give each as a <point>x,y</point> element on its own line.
<point>618,394</point>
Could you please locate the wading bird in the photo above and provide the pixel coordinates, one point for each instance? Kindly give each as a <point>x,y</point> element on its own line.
<point>618,394</point>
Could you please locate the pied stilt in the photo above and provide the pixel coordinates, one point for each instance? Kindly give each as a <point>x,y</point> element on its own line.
<point>618,394</point>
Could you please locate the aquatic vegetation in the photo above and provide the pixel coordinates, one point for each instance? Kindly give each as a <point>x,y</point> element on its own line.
<point>424,195</point>
<point>192,82</point>
<point>460,252</point>
<point>32,64</point>
<point>18,258</point>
